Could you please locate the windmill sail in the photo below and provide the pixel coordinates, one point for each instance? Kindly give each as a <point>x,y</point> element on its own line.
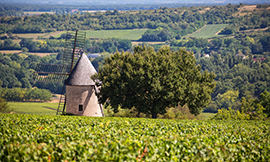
<point>75,41</point>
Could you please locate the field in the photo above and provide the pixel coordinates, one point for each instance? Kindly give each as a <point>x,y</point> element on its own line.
<point>133,34</point>
<point>34,108</point>
<point>31,53</point>
<point>152,43</point>
<point>208,31</point>
<point>31,35</point>
<point>54,34</point>
<point>10,51</point>
<point>36,13</point>
<point>72,138</point>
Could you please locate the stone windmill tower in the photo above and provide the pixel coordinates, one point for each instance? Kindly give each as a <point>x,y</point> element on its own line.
<point>78,93</point>
<point>80,90</point>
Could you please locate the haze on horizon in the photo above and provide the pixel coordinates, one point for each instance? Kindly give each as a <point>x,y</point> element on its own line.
<point>116,2</point>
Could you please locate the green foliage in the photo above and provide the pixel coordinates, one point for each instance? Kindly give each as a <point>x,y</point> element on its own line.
<point>152,81</point>
<point>158,34</point>
<point>19,94</point>
<point>247,105</point>
<point>249,76</point>
<point>99,61</point>
<point>17,71</point>
<point>264,100</point>
<point>110,45</point>
<point>250,109</point>
<point>4,107</point>
<point>48,45</point>
<point>227,31</point>
<point>259,112</point>
<point>9,45</point>
<point>183,113</point>
<point>179,112</point>
<point>124,113</point>
<point>230,114</point>
<point>227,99</point>
<point>191,42</point>
<point>247,112</point>
<point>66,138</point>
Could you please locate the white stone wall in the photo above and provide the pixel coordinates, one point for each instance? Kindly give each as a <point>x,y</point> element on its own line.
<point>82,95</point>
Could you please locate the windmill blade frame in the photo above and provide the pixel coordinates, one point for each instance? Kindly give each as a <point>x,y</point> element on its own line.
<point>58,73</point>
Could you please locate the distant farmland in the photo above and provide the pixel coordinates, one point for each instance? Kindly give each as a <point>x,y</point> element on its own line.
<point>131,34</point>
<point>134,34</point>
<point>36,13</point>
<point>208,31</point>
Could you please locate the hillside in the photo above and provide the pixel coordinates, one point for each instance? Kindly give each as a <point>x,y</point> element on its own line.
<point>231,41</point>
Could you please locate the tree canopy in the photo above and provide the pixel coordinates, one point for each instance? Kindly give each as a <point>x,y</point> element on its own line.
<point>153,81</point>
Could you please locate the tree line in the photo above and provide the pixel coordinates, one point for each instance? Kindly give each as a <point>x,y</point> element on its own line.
<point>55,45</point>
<point>21,94</point>
<point>12,9</point>
<point>251,109</point>
<point>17,71</point>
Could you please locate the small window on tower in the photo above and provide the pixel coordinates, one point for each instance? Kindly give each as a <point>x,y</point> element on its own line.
<point>80,107</point>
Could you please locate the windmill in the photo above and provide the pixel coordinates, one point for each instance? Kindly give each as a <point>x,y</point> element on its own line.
<point>75,71</point>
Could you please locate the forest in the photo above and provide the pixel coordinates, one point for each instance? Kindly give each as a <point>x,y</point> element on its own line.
<point>239,54</point>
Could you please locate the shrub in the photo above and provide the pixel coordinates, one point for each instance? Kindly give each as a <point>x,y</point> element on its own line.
<point>4,107</point>
<point>224,114</point>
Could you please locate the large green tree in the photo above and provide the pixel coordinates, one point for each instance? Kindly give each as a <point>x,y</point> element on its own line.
<point>151,81</point>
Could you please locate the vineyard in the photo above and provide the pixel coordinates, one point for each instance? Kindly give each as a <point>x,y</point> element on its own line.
<point>73,138</point>
<point>208,31</point>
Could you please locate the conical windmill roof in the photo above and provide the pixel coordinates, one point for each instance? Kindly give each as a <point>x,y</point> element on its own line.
<point>82,72</point>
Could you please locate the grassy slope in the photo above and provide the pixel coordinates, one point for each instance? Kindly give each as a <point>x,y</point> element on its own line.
<point>34,108</point>
<point>208,31</point>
